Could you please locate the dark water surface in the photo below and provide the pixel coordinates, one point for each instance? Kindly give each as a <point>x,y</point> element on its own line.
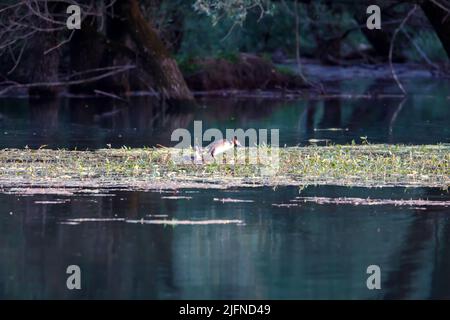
<point>310,251</point>
<point>307,251</point>
<point>423,118</point>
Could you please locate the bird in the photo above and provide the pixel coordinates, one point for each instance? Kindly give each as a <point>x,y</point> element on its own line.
<point>222,146</point>
<point>197,156</point>
<point>194,156</point>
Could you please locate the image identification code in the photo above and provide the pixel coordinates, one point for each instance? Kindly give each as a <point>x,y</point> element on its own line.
<point>226,310</point>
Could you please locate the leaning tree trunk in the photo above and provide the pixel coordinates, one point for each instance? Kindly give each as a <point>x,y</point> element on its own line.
<point>154,55</point>
<point>440,20</point>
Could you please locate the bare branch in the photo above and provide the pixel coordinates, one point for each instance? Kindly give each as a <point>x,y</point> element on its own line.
<point>391,48</point>
<point>15,85</point>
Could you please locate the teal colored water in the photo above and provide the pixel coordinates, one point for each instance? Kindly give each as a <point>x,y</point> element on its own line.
<point>306,251</point>
<point>311,251</point>
<point>422,118</point>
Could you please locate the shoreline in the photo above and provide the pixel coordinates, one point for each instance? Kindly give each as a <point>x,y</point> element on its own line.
<point>329,75</point>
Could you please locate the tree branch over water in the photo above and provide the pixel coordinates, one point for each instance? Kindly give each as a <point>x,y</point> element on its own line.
<point>391,49</point>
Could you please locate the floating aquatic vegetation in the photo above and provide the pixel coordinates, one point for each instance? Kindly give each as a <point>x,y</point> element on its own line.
<point>318,140</point>
<point>38,191</point>
<point>177,197</point>
<point>162,191</point>
<point>52,201</point>
<point>70,223</point>
<point>285,205</point>
<point>187,222</point>
<point>330,129</point>
<point>157,215</point>
<point>232,200</point>
<point>76,221</point>
<point>372,202</point>
<point>63,172</point>
<point>80,220</point>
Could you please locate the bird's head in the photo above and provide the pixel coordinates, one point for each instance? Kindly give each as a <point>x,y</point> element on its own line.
<point>236,142</point>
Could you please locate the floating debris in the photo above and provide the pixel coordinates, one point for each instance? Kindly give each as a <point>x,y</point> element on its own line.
<point>94,193</point>
<point>71,223</point>
<point>79,220</point>
<point>52,201</point>
<point>330,129</point>
<point>287,205</point>
<point>372,202</point>
<point>89,191</point>
<point>187,222</point>
<point>31,191</point>
<point>152,221</point>
<point>36,191</point>
<point>162,191</point>
<point>318,140</point>
<point>157,215</point>
<point>232,200</point>
<point>176,197</point>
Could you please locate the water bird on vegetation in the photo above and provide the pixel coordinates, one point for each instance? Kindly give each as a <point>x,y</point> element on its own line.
<point>222,146</point>
<point>197,156</point>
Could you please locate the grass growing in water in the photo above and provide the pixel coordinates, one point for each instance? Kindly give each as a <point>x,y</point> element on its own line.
<point>347,165</point>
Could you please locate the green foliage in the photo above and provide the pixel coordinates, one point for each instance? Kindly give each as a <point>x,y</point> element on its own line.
<point>285,70</point>
<point>186,64</point>
<point>235,10</point>
<point>356,165</point>
<point>430,44</point>
<point>267,32</point>
<point>256,34</point>
<point>217,28</point>
<point>231,56</point>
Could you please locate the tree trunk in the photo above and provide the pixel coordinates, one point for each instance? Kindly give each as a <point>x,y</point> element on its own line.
<point>86,53</point>
<point>155,57</point>
<point>44,56</point>
<point>439,19</point>
<point>43,66</point>
<point>379,39</point>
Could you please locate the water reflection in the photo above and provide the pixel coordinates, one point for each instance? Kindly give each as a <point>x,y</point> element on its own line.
<point>143,121</point>
<point>310,251</point>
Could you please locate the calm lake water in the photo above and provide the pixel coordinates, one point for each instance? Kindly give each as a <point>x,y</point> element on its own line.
<point>310,251</point>
<point>95,123</point>
<point>306,251</point>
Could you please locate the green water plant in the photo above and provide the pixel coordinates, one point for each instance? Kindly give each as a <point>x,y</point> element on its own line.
<point>347,165</point>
